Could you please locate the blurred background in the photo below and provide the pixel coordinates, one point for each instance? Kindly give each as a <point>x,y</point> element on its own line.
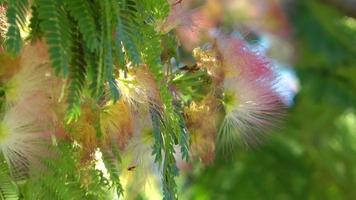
<point>313,45</point>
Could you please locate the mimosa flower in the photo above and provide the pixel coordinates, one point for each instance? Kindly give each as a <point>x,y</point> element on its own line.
<point>251,111</point>
<point>137,160</point>
<point>191,25</point>
<point>22,139</point>
<point>240,60</point>
<point>139,89</point>
<point>252,106</point>
<point>34,88</point>
<point>177,16</point>
<point>247,81</point>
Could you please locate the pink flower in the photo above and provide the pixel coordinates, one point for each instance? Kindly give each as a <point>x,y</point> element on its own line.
<point>252,106</point>
<point>30,117</point>
<point>251,110</point>
<point>240,60</point>
<point>22,139</point>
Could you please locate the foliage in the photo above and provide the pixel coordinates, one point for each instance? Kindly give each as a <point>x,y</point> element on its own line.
<point>67,181</point>
<point>8,189</point>
<point>90,77</point>
<point>89,42</point>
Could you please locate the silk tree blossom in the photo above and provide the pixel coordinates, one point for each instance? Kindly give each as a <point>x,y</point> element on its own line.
<point>252,106</point>
<point>245,81</point>
<point>33,77</point>
<point>178,16</point>
<point>22,139</point>
<point>34,88</point>
<point>137,164</point>
<point>30,115</point>
<point>240,60</point>
<point>139,89</point>
<point>251,111</point>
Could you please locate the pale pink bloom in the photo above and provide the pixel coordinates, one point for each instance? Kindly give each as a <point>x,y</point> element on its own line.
<point>251,111</point>
<point>139,89</point>
<point>240,60</point>
<point>30,116</point>
<point>35,77</point>
<point>35,89</point>
<point>252,106</point>
<point>22,139</point>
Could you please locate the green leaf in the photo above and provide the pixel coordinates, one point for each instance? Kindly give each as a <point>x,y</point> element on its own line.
<point>82,13</point>
<point>77,78</point>
<point>56,28</point>
<point>127,33</point>
<point>8,188</point>
<point>16,17</point>
<point>111,158</point>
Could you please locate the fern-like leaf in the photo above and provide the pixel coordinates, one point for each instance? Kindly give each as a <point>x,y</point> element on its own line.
<point>77,78</point>
<point>16,18</point>
<point>56,28</point>
<point>82,13</point>
<point>8,189</point>
<point>62,178</point>
<point>111,159</point>
<point>35,30</point>
<point>107,51</point>
<point>166,124</point>
<point>126,30</point>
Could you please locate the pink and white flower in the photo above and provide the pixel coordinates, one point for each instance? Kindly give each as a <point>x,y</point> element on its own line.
<point>251,104</point>
<point>22,139</point>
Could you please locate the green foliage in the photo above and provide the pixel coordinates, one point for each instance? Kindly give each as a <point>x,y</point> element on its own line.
<point>167,125</point>
<point>16,18</point>
<point>77,77</point>
<point>192,85</point>
<point>8,188</point>
<point>83,14</point>
<point>106,52</point>
<point>90,43</point>
<point>56,28</point>
<point>35,29</point>
<point>127,34</point>
<point>69,181</point>
<point>327,63</point>
<point>111,160</point>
